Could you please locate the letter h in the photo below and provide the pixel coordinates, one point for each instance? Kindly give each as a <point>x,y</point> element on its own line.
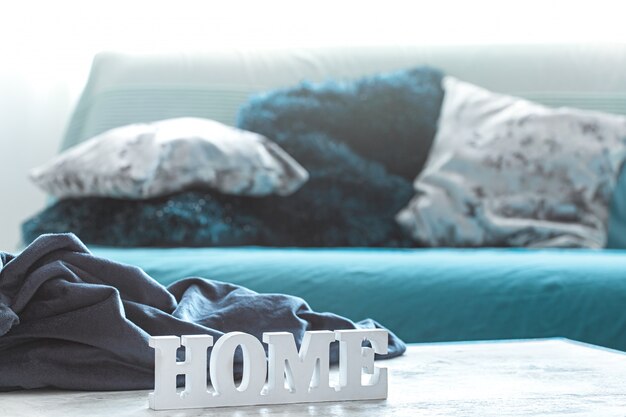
<point>167,368</point>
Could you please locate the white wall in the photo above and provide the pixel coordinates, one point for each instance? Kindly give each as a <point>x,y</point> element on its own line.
<point>46,48</point>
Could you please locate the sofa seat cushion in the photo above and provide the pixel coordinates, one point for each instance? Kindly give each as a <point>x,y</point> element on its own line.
<point>426,295</point>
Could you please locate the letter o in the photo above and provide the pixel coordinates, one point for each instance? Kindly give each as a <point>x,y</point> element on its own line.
<point>254,365</point>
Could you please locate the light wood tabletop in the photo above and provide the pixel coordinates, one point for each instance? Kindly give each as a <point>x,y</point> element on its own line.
<point>549,377</point>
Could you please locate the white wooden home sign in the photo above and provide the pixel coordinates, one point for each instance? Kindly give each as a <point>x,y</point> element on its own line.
<point>285,376</point>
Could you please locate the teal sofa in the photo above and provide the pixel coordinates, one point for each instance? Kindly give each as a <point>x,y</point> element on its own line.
<point>424,295</point>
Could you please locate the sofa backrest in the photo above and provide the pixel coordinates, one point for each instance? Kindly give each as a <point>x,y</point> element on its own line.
<point>124,88</point>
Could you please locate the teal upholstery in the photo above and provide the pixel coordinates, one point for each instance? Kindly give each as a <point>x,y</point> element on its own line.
<point>426,295</point>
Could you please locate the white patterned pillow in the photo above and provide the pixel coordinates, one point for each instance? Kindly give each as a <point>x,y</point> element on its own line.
<point>504,171</point>
<point>147,160</point>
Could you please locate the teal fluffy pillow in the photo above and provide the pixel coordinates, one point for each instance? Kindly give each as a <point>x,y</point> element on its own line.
<point>389,118</point>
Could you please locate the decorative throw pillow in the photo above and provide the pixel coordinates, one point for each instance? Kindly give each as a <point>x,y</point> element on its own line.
<point>508,172</point>
<point>147,160</point>
<point>362,142</point>
<point>387,118</point>
<point>187,218</point>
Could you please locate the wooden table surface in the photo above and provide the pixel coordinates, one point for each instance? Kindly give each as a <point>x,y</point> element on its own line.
<point>551,377</point>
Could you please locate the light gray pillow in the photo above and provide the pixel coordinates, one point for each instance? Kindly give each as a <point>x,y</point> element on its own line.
<point>140,161</point>
<point>504,171</point>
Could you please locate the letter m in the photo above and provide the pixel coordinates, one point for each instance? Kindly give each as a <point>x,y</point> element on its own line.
<point>305,371</point>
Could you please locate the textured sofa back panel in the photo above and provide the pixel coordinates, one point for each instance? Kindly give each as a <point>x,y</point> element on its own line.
<point>128,88</point>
